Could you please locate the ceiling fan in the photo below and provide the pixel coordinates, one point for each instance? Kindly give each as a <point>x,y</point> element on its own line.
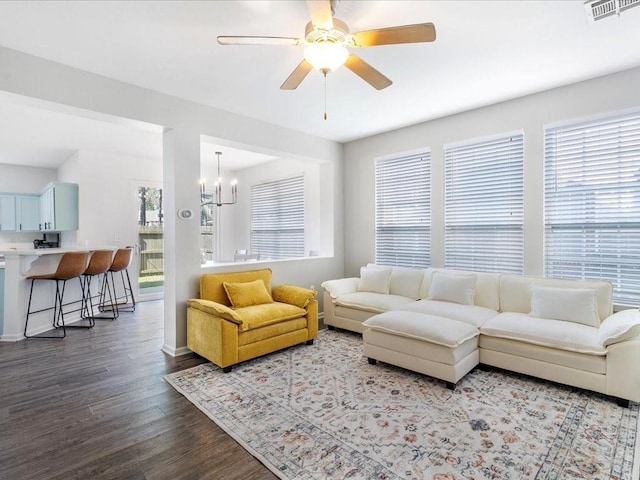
<point>326,40</point>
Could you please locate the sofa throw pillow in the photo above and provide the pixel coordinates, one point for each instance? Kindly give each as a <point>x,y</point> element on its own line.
<point>578,305</point>
<point>620,326</point>
<point>246,294</point>
<point>447,287</point>
<point>374,279</point>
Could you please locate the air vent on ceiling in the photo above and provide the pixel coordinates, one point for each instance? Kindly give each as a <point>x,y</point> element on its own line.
<point>599,9</point>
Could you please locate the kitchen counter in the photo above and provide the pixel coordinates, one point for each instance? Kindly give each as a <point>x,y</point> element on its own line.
<point>20,263</point>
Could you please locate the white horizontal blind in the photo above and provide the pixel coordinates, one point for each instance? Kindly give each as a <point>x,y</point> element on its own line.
<point>484,205</point>
<point>277,218</point>
<point>592,203</point>
<point>403,206</point>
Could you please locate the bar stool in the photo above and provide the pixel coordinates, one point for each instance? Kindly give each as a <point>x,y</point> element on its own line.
<point>72,265</point>
<point>98,265</point>
<point>121,261</point>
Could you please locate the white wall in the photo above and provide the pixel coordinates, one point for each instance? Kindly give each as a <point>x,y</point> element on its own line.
<point>183,123</point>
<point>605,94</point>
<point>272,171</point>
<point>108,204</point>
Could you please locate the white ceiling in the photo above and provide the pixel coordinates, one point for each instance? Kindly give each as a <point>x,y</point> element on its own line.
<point>485,52</point>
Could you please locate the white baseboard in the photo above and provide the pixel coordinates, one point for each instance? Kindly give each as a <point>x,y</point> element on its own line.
<point>175,352</point>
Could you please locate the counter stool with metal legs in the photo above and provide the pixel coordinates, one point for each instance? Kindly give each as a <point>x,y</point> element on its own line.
<point>121,261</point>
<point>72,265</point>
<point>98,265</point>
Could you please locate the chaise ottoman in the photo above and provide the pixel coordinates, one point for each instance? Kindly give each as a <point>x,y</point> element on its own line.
<point>440,347</point>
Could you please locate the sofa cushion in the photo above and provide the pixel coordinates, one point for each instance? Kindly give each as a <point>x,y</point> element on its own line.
<point>212,288</point>
<point>487,286</point>
<point>255,316</point>
<point>374,279</point>
<point>372,302</point>
<point>433,329</point>
<point>569,304</point>
<point>620,326</point>
<point>556,356</point>
<point>455,288</point>
<point>570,336</point>
<point>406,282</point>
<point>245,294</point>
<point>515,292</point>
<point>471,314</point>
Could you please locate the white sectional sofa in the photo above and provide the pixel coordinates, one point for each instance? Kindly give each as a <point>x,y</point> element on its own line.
<point>445,322</point>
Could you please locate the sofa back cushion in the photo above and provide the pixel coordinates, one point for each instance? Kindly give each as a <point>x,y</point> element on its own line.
<point>212,284</point>
<point>404,281</point>
<point>515,292</point>
<point>374,279</point>
<point>486,290</point>
<point>453,288</point>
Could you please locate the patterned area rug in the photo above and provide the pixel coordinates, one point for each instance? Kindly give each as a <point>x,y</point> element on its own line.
<point>322,412</point>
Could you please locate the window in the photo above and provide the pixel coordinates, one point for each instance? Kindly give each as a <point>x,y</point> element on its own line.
<point>277,218</point>
<point>484,210</point>
<point>592,203</point>
<point>403,204</point>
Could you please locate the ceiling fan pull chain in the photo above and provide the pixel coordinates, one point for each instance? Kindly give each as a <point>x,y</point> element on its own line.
<point>325,95</point>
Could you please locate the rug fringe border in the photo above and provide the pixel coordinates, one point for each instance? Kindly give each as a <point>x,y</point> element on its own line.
<point>278,473</point>
<point>635,471</point>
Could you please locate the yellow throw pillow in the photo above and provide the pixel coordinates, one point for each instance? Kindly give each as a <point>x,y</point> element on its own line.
<point>247,293</point>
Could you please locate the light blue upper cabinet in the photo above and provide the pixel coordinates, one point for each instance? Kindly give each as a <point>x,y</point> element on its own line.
<point>7,213</point>
<point>59,207</point>
<point>27,213</point>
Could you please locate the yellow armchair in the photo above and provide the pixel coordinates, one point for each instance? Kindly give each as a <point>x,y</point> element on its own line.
<point>238,317</point>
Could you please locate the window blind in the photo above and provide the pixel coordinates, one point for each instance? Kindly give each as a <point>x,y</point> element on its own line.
<point>403,207</point>
<point>277,218</point>
<point>592,203</point>
<point>484,205</point>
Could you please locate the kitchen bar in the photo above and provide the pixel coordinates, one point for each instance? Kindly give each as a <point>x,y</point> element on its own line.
<point>18,264</point>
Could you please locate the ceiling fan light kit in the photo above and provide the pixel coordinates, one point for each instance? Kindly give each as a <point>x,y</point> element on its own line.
<point>326,41</point>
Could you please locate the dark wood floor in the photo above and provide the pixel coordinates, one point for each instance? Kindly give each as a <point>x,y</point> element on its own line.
<point>94,406</point>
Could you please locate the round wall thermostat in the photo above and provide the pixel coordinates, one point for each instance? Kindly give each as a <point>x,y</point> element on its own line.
<point>185,213</point>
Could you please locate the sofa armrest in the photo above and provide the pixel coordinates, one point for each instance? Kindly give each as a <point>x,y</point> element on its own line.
<point>621,326</point>
<point>341,286</point>
<point>293,295</point>
<point>214,308</point>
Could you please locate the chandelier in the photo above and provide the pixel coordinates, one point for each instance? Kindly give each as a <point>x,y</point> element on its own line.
<point>216,199</point>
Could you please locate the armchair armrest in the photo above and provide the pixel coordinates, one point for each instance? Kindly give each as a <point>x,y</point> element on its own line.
<point>341,286</point>
<point>620,326</point>
<point>214,308</point>
<point>293,295</point>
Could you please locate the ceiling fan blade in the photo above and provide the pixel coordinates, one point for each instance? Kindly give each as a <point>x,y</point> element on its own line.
<point>365,71</point>
<point>420,32</point>
<point>237,40</point>
<point>296,77</point>
<point>320,13</point>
